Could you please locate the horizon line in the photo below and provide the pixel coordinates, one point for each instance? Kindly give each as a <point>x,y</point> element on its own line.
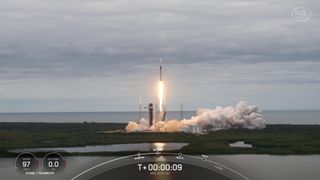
<point>128,111</point>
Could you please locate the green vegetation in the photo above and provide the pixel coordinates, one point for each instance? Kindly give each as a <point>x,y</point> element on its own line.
<point>275,139</point>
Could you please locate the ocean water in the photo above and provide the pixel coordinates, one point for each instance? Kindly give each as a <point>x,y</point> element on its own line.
<point>157,146</point>
<point>271,117</point>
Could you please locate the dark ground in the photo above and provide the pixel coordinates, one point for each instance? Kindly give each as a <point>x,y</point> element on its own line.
<point>274,139</point>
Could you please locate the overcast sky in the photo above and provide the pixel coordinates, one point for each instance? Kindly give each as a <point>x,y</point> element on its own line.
<point>101,55</point>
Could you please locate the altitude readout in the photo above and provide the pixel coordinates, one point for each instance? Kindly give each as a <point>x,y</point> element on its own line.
<point>160,167</point>
<point>53,162</point>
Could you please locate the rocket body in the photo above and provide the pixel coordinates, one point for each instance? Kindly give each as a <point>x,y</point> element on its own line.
<point>160,73</point>
<point>161,99</point>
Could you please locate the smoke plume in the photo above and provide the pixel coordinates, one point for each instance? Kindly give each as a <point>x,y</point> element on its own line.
<point>242,115</point>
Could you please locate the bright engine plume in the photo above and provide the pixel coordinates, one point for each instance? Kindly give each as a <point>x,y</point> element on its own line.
<point>161,96</point>
<point>161,100</point>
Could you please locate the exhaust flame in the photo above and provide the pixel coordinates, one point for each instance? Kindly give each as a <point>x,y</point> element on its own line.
<point>242,115</point>
<point>161,96</point>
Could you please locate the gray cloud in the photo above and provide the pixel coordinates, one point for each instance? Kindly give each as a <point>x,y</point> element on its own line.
<point>208,44</point>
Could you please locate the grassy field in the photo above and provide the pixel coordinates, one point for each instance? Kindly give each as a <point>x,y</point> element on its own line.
<point>275,139</point>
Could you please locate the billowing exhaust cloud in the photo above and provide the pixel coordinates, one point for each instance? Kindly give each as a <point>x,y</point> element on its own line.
<point>242,115</point>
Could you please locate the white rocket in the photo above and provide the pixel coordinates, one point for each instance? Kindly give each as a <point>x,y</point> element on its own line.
<point>161,100</point>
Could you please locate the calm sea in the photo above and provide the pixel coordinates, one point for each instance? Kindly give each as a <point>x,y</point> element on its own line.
<point>271,117</point>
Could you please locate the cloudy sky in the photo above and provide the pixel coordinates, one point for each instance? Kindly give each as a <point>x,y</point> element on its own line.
<point>101,55</point>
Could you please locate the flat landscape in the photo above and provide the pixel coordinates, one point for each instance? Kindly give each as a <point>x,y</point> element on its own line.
<point>274,139</point>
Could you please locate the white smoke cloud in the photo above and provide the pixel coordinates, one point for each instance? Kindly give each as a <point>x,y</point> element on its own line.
<point>242,115</point>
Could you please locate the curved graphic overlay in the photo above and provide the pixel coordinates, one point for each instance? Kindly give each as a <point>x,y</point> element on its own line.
<point>158,165</point>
